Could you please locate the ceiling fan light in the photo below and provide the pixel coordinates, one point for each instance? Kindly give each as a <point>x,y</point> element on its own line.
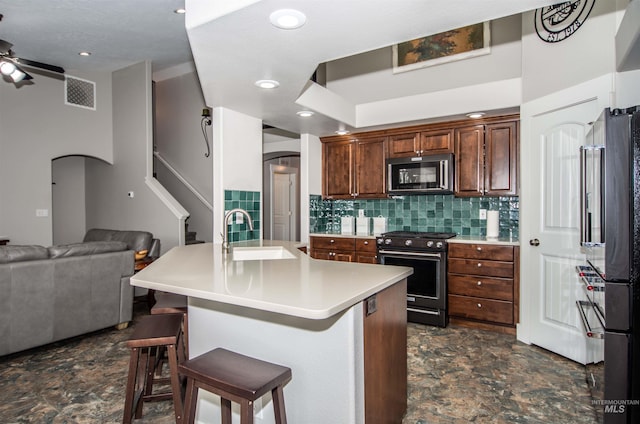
<point>18,75</point>
<point>7,68</point>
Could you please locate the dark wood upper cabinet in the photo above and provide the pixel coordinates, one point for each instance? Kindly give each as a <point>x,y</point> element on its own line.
<point>338,165</point>
<point>501,159</point>
<point>487,160</point>
<point>432,142</point>
<point>354,168</point>
<point>436,142</point>
<point>404,145</point>
<point>370,168</point>
<point>469,154</point>
<point>486,157</point>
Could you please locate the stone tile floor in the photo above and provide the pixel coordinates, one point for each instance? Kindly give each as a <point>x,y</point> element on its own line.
<point>456,375</point>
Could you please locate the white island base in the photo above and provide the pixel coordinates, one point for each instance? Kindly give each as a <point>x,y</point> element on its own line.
<point>327,358</point>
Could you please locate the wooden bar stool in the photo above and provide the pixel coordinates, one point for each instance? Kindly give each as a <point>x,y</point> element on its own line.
<point>150,334</point>
<point>236,378</point>
<point>169,303</point>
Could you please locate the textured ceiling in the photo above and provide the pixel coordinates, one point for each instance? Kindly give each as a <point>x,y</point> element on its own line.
<point>233,48</point>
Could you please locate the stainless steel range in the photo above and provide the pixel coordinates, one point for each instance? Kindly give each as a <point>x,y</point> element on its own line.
<point>426,253</point>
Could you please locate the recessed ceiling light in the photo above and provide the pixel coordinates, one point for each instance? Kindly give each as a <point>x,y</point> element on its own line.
<point>85,53</point>
<point>267,83</point>
<point>304,113</point>
<point>287,18</point>
<point>475,115</point>
<point>342,132</point>
<point>180,11</point>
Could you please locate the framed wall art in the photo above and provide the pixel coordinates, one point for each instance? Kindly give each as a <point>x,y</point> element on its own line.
<point>456,44</point>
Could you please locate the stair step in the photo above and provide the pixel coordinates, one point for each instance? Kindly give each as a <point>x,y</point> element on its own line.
<point>193,241</point>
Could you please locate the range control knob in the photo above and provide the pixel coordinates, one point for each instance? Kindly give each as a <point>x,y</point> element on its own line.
<point>387,241</point>
<point>439,245</point>
<point>429,243</point>
<point>408,242</point>
<point>379,241</point>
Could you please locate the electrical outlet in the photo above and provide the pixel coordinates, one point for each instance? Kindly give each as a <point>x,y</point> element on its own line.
<point>239,218</point>
<point>483,214</point>
<point>42,213</point>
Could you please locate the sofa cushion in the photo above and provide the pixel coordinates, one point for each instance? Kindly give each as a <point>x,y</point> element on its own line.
<point>87,248</point>
<point>16,253</point>
<point>135,240</point>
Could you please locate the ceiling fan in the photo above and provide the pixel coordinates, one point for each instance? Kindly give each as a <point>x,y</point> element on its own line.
<point>10,65</point>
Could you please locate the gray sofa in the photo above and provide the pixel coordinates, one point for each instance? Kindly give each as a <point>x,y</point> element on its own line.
<point>53,293</point>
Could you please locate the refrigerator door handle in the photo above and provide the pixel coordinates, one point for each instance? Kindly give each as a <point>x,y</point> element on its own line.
<point>583,197</point>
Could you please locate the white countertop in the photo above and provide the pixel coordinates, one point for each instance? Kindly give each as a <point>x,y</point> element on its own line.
<point>457,239</point>
<point>301,286</point>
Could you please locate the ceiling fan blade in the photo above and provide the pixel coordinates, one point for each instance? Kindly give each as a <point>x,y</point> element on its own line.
<point>5,47</point>
<point>33,63</point>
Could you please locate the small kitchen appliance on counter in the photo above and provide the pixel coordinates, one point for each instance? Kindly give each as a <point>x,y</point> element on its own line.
<point>426,253</point>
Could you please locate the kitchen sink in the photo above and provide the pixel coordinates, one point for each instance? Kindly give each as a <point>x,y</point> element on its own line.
<point>261,253</point>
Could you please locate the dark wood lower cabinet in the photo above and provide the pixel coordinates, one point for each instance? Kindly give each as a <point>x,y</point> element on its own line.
<point>346,249</point>
<point>483,286</point>
<point>385,356</point>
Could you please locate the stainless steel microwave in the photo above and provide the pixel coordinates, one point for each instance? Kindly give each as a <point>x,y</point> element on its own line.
<point>420,175</point>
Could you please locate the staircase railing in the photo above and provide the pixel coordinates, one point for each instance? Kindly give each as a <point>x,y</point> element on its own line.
<point>183,180</point>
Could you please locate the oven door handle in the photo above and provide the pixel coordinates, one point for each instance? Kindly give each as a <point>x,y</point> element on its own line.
<point>397,253</point>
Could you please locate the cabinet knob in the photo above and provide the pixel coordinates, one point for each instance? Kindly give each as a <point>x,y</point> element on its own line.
<point>366,243</point>
<point>479,249</point>
<point>332,241</point>
<point>479,305</point>
<point>479,265</point>
<point>479,283</point>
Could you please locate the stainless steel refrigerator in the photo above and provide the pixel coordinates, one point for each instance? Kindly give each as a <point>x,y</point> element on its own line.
<point>610,235</point>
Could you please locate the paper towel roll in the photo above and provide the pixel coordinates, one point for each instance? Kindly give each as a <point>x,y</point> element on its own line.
<point>493,226</point>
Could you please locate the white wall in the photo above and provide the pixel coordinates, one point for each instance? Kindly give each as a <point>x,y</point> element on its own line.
<point>627,89</point>
<point>36,127</point>
<point>237,159</point>
<point>178,139</point>
<point>108,205</point>
<point>368,77</point>
<point>310,178</point>
<point>585,55</point>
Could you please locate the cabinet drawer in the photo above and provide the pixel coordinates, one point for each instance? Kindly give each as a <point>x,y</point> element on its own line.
<point>335,243</point>
<point>481,251</point>
<point>333,255</point>
<point>486,287</point>
<point>481,267</point>
<point>481,309</point>
<point>366,245</point>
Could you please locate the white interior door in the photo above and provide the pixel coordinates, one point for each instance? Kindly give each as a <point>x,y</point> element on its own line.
<point>551,247</point>
<point>282,205</point>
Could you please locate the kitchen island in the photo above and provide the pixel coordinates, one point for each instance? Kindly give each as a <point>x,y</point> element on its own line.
<point>340,327</point>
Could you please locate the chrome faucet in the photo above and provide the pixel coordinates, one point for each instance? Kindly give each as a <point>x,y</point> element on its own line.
<point>225,228</point>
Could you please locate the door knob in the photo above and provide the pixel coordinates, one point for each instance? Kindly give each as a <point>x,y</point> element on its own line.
<point>534,242</point>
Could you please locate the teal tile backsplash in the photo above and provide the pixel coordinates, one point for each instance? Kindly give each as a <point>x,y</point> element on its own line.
<point>419,213</point>
<point>249,201</point>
